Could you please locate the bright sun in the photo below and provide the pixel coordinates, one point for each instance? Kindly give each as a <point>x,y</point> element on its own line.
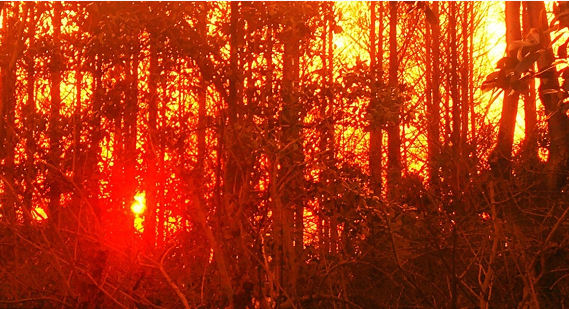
<point>139,204</point>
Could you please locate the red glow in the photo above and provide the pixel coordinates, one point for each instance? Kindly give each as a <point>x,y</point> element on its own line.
<point>139,204</point>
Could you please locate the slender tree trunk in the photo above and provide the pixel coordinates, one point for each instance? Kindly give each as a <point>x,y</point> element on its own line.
<point>202,114</point>
<point>152,145</point>
<point>329,133</point>
<point>455,139</point>
<point>464,78</point>
<point>235,161</point>
<point>78,151</point>
<point>473,155</point>
<point>93,149</point>
<point>433,104</point>
<point>291,171</point>
<point>558,123</point>
<point>6,93</point>
<point>233,179</point>
<point>393,129</point>
<point>375,152</point>
<point>530,113</point>
<point>380,50</point>
<point>29,113</point>
<point>453,80</point>
<point>15,39</point>
<point>500,161</point>
<point>447,99</point>
<point>325,220</point>
<point>238,160</point>
<point>162,210</point>
<point>117,173</point>
<point>130,120</point>
<point>54,177</point>
<point>429,87</point>
<point>234,88</point>
<point>94,152</point>
<point>273,173</point>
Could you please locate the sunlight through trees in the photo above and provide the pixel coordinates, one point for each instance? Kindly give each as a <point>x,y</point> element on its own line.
<point>284,154</point>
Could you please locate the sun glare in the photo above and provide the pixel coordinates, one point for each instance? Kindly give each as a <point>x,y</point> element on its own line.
<point>139,204</point>
<point>39,214</point>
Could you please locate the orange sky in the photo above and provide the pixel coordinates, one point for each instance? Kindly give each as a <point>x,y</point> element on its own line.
<point>349,48</point>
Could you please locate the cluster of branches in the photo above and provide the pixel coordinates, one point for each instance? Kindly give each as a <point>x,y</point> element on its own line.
<point>278,170</point>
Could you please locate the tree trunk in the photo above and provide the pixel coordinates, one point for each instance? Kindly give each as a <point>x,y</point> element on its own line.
<point>234,158</point>
<point>78,168</point>
<point>327,129</point>
<point>117,172</point>
<point>558,123</point>
<point>234,88</point>
<point>500,160</point>
<point>453,81</point>
<point>11,36</point>
<point>162,210</point>
<point>130,131</point>
<point>530,150</point>
<point>464,78</point>
<point>152,145</point>
<point>473,155</point>
<point>330,156</point>
<point>375,152</point>
<point>291,171</point>
<point>94,152</point>
<point>274,196</point>
<point>54,176</point>
<point>393,130</point>
<point>202,112</point>
<point>433,100</point>
<point>29,113</point>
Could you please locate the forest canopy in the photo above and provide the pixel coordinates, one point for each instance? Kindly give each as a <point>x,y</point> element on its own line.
<point>284,154</point>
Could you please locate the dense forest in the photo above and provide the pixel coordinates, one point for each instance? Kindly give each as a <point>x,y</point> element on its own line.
<point>284,155</point>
